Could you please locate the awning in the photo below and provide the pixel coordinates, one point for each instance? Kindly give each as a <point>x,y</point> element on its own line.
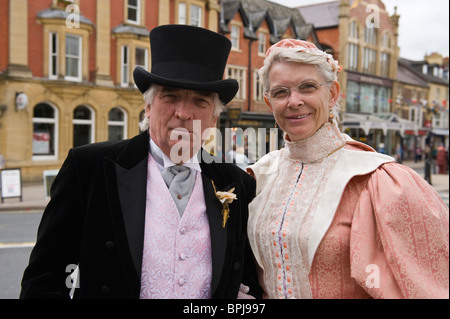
<point>382,121</point>
<point>440,131</point>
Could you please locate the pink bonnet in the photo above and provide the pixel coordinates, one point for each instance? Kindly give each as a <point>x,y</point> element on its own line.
<point>304,46</point>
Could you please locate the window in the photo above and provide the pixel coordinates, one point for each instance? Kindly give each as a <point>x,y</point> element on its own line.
<point>117,123</point>
<point>45,131</point>
<point>367,98</point>
<point>259,89</point>
<point>125,66</point>
<point>369,60</point>
<point>385,61</point>
<point>354,30</point>
<point>190,14</point>
<point>235,32</point>
<point>141,57</point>
<point>83,126</point>
<point>196,16</point>
<point>73,58</point>
<point>134,11</point>
<point>352,56</point>
<point>370,51</point>
<point>262,43</point>
<point>353,47</point>
<point>182,13</point>
<point>353,97</point>
<point>385,56</point>
<point>238,73</point>
<point>370,36</point>
<point>53,55</point>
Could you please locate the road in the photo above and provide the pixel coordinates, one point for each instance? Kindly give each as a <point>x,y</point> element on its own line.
<point>17,236</point>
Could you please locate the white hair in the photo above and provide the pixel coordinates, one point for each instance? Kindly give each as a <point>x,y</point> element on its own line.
<point>149,95</point>
<point>327,67</point>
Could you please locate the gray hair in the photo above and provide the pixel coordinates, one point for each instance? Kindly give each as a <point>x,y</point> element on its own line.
<point>320,60</point>
<point>149,95</point>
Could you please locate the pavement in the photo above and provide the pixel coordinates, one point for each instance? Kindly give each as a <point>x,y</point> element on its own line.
<point>33,195</point>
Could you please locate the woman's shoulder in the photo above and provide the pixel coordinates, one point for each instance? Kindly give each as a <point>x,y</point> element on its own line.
<point>268,164</point>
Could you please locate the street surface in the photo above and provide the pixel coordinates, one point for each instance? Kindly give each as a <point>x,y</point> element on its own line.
<point>17,236</point>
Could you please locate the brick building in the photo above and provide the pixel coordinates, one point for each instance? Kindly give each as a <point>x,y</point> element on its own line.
<point>66,72</point>
<point>363,37</point>
<point>66,69</point>
<point>385,99</point>
<point>253,26</point>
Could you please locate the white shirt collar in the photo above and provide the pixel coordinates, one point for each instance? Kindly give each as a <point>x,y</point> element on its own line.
<point>164,161</point>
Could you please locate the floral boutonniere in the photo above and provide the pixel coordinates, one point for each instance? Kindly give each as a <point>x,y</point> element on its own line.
<point>225,198</point>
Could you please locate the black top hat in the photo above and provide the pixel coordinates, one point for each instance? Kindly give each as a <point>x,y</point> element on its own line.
<point>188,57</point>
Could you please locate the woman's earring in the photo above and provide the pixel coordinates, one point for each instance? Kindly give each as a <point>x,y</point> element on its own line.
<point>330,117</point>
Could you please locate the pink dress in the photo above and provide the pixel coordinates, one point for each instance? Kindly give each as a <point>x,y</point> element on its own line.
<point>334,219</point>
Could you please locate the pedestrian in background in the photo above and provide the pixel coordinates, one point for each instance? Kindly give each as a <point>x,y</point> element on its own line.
<point>442,160</point>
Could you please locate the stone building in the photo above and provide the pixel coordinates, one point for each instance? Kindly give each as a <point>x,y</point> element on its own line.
<point>66,72</point>
<point>253,26</point>
<point>66,69</point>
<point>363,37</point>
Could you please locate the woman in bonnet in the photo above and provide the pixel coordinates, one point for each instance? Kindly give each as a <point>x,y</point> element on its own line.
<point>332,218</point>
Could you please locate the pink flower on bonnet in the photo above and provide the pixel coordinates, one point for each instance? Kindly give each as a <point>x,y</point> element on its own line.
<point>302,46</point>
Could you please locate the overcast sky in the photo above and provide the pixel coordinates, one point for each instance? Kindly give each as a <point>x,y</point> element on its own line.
<point>424,25</point>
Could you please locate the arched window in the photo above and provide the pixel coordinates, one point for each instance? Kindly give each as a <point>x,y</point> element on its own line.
<point>45,131</point>
<point>370,50</point>
<point>117,124</point>
<point>385,56</point>
<point>83,126</point>
<point>353,46</point>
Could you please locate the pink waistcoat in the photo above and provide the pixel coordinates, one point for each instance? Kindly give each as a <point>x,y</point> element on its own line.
<point>176,260</point>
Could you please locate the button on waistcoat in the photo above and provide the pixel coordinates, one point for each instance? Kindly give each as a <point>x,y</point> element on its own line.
<point>177,250</point>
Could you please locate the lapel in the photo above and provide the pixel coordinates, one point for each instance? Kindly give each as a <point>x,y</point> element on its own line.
<point>126,184</point>
<point>211,171</point>
<point>218,234</point>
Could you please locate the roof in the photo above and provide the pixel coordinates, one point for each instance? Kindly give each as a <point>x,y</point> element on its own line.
<point>406,74</point>
<point>323,15</point>
<point>61,14</point>
<point>416,68</point>
<point>123,28</point>
<point>254,12</point>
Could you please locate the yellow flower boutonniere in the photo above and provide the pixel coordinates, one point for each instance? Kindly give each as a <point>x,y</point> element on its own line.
<point>225,198</point>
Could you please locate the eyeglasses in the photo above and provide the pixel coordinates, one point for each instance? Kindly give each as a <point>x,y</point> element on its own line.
<point>281,93</point>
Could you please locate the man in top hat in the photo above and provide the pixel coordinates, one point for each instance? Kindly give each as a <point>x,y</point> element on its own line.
<point>139,219</point>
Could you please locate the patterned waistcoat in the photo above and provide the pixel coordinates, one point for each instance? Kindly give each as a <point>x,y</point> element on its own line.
<point>176,259</point>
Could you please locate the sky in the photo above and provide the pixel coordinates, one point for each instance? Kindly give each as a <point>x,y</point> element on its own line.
<point>423,25</point>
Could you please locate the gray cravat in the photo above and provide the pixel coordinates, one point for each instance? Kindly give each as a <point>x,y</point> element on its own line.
<point>180,181</point>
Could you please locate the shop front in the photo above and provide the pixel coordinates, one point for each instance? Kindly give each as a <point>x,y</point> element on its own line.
<point>253,134</point>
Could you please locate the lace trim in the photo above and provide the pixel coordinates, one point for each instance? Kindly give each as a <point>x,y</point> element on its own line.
<point>315,148</point>
<point>282,229</point>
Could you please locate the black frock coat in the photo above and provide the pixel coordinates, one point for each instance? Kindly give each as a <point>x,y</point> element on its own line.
<point>95,219</point>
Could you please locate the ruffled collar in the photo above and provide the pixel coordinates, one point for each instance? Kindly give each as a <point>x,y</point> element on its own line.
<point>327,140</point>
